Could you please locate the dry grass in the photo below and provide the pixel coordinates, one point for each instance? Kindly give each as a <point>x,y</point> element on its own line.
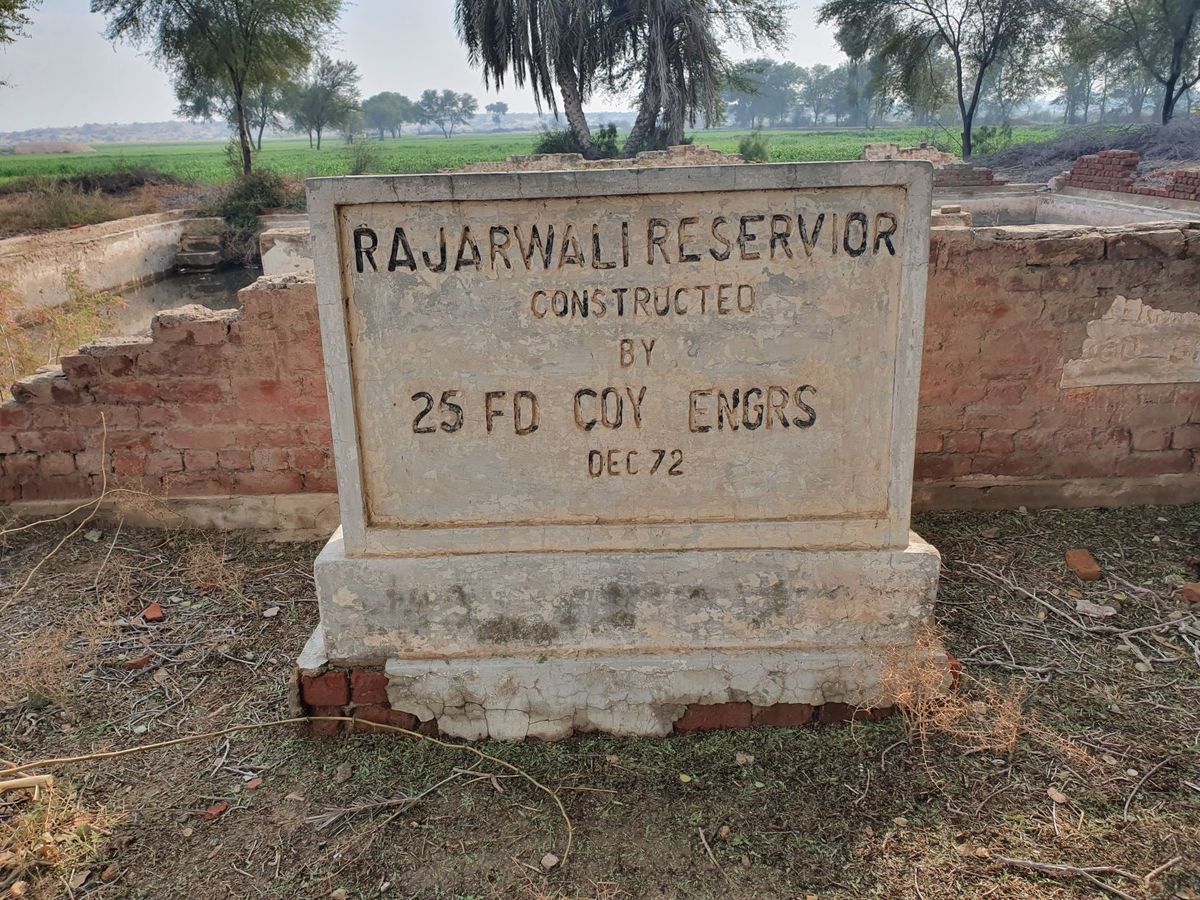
<point>1063,749</point>
<point>975,715</point>
<point>48,839</point>
<point>33,338</point>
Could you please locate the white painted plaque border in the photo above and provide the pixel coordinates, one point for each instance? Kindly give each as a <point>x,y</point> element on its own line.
<point>890,530</point>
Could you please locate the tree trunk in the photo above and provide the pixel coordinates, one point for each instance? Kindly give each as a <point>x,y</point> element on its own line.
<point>573,110</point>
<point>318,138</point>
<point>261,128</point>
<point>243,131</point>
<point>1168,104</point>
<point>643,125</point>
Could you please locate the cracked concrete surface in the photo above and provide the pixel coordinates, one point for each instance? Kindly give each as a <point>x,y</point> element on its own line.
<point>519,698</point>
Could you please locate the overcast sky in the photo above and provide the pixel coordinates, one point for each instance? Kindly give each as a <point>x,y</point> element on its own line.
<point>63,72</point>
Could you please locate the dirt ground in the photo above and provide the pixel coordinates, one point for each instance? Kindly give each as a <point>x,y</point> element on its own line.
<point>1074,745</point>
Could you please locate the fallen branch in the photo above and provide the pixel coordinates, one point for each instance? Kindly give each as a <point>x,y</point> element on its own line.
<point>302,720</point>
<point>1060,869</point>
<point>29,781</point>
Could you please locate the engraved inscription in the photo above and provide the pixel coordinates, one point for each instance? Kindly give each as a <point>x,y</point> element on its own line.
<point>667,358</point>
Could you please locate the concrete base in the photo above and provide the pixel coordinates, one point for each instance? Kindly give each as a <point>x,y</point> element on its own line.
<point>518,698</point>
<point>510,646</point>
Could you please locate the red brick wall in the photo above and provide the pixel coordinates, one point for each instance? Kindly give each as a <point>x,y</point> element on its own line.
<point>1005,311</point>
<point>1116,170</point>
<point>964,175</point>
<point>226,402</point>
<point>217,403</point>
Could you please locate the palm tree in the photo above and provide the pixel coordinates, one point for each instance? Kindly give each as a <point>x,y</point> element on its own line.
<point>669,50</point>
<point>676,46</point>
<point>569,43</point>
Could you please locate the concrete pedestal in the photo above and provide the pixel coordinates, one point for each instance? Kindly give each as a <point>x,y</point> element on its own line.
<point>510,646</point>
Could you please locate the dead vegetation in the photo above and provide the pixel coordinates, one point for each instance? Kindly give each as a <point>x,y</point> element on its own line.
<point>31,338</point>
<point>1068,765</point>
<point>1159,146</point>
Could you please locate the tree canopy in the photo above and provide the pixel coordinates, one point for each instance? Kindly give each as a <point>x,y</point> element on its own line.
<point>909,34</point>
<point>667,51</point>
<point>226,46</point>
<point>14,16</point>
<point>324,98</point>
<point>387,112</point>
<point>446,109</point>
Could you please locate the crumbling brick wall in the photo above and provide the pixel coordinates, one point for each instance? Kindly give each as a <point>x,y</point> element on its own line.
<point>210,403</point>
<point>1117,170</point>
<point>949,170</point>
<point>1006,309</point>
<point>233,403</point>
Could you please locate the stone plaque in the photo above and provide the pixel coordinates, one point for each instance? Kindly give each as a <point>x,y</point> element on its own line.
<point>671,359</point>
<point>621,411</point>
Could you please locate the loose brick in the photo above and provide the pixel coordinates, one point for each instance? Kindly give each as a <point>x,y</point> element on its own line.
<point>1083,564</point>
<point>330,689</point>
<point>367,687</point>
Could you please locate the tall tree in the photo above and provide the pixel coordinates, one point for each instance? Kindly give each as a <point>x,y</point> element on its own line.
<point>758,90</point>
<point>446,109</point>
<point>975,33</point>
<point>324,98</point>
<point>573,45</point>
<point>673,50</point>
<point>387,112</point>
<point>229,41</point>
<point>1164,37</point>
<point>668,51</point>
<point>816,90</point>
<point>498,111</point>
<point>208,99</point>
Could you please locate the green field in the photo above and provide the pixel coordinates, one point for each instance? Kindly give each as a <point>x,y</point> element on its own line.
<point>206,162</point>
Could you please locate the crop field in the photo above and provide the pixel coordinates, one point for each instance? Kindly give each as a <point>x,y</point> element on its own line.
<point>208,162</point>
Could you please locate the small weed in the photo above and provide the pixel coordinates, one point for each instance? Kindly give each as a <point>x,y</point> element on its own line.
<point>365,158</point>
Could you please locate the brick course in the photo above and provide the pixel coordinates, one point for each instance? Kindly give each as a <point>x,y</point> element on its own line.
<point>1117,170</point>
<point>212,402</point>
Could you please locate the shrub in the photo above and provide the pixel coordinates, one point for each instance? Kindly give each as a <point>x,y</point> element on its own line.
<point>365,158</point>
<point>49,203</point>
<point>563,141</point>
<point>753,146</point>
<point>560,140</point>
<point>251,195</point>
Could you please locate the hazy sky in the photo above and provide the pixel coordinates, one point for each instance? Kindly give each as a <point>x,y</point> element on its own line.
<point>64,72</point>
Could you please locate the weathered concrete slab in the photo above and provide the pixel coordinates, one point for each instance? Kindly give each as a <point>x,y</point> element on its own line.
<point>561,603</point>
<point>750,334</point>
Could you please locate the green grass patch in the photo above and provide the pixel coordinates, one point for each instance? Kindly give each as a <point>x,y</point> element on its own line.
<point>207,162</point>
